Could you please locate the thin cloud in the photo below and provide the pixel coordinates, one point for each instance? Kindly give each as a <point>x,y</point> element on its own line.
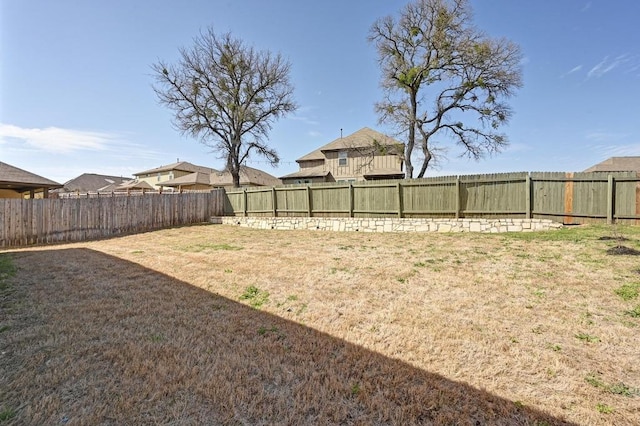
<point>305,120</point>
<point>633,69</point>
<point>586,7</point>
<point>612,144</point>
<point>518,147</point>
<point>55,139</point>
<point>606,65</point>
<point>626,150</point>
<point>602,136</point>
<point>572,70</point>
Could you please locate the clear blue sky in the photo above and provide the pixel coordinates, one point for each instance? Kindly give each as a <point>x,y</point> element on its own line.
<point>76,96</point>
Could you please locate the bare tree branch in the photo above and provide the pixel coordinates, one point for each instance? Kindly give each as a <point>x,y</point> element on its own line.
<point>438,70</point>
<point>226,95</point>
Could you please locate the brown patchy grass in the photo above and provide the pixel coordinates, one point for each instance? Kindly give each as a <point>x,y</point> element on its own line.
<point>225,325</point>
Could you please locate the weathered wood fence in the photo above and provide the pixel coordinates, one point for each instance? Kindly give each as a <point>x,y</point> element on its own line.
<point>40,221</point>
<point>563,197</point>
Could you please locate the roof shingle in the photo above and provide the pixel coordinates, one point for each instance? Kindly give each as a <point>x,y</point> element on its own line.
<point>363,138</point>
<point>15,178</point>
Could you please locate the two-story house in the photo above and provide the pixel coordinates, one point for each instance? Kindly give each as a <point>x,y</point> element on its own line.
<point>363,155</point>
<point>156,177</point>
<point>222,179</point>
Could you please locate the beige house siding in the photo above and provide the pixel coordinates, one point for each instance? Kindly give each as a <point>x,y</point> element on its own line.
<point>358,164</point>
<point>9,193</point>
<point>198,187</point>
<point>157,176</point>
<point>365,154</point>
<point>311,163</point>
<point>156,179</point>
<point>311,180</point>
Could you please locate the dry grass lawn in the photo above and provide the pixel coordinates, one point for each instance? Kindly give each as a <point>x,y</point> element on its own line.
<point>227,325</point>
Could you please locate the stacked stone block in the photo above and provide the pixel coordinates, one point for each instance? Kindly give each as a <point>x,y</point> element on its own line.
<point>392,224</point>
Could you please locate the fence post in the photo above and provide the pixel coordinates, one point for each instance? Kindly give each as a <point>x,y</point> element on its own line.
<point>568,198</point>
<point>400,206</point>
<point>244,201</point>
<point>457,197</point>
<point>527,197</point>
<point>610,199</point>
<point>274,201</point>
<point>350,200</point>
<point>309,206</point>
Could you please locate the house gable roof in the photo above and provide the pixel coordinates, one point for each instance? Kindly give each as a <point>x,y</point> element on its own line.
<point>181,165</point>
<point>134,185</point>
<point>308,172</point>
<point>617,164</point>
<point>363,138</point>
<point>196,178</point>
<point>20,180</point>
<point>248,176</point>
<point>92,182</point>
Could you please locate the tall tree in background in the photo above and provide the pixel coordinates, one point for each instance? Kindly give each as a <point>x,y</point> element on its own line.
<point>227,95</point>
<point>438,70</point>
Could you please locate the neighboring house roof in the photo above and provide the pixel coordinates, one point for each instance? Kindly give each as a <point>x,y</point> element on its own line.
<point>248,176</point>
<point>309,172</point>
<point>196,178</point>
<point>114,187</point>
<point>617,164</point>
<point>21,180</point>
<point>181,165</point>
<point>134,185</point>
<point>363,138</point>
<point>91,182</point>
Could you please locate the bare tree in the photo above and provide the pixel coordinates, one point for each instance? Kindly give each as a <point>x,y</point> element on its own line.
<point>376,147</point>
<point>438,70</point>
<point>227,95</point>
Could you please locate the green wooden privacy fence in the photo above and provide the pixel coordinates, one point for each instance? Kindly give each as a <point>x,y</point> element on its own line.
<point>564,197</point>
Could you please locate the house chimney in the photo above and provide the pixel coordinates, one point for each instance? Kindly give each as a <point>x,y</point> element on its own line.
<point>341,133</point>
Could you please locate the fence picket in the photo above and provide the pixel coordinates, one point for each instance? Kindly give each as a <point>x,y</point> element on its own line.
<point>40,221</point>
<point>563,197</point>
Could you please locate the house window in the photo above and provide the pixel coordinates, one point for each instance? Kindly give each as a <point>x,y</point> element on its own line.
<point>158,177</point>
<point>342,158</point>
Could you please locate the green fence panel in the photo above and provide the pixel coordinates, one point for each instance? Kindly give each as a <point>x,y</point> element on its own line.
<point>375,200</point>
<point>499,194</point>
<point>431,197</point>
<point>330,201</point>
<point>292,201</point>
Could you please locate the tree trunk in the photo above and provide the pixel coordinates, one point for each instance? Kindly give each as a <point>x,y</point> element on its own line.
<point>411,140</point>
<point>235,174</point>
<point>425,163</point>
<point>233,163</point>
<point>408,174</point>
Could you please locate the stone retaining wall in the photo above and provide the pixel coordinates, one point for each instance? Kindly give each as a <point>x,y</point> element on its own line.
<point>392,224</point>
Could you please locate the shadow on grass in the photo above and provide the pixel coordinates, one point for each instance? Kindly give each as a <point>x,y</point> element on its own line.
<point>94,339</point>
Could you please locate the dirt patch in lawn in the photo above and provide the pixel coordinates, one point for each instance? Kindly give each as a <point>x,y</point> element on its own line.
<point>225,325</point>
<point>623,251</point>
